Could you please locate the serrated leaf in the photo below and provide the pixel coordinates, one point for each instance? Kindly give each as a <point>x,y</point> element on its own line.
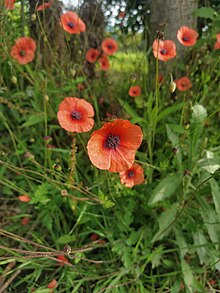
<point>215,189</point>
<point>210,165</point>
<point>33,120</point>
<point>66,239</point>
<point>199,114</point>
<point>187,275</point>
<point>165,221</point>
<point>200,241</point>
<point>181,241</point>
<point>165,188</point>
<point>206,12</point>
<point>210,219</point>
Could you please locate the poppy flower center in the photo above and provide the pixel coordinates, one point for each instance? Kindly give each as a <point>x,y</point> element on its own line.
<point>130,173</point>
<point>163,51</point>
<point>109,46</point>
<point>76,115</point>
<point>22,53</point>
<point>112,141</point>
<point>70,24</point>
<point>185,39</point>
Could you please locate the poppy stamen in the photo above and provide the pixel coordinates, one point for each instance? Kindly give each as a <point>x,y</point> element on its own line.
<point>163,51</point>
<point>185,39</point>
<point>112,141</point>
<point>130,173</point>
<point>76,115</point>
<point>70,24</point>
<point>22,53</point>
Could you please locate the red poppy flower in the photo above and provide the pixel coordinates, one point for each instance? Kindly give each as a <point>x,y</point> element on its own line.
<point>109,46</point>
<point>25,221</point>
<point>217,44</point>
<point>92,55</point>
<point>53,284</point>
<point>75,114</point>
<point>62,260</point>
<point>23,50</point>
<point>72,23</point>
<point>134,91</point>
<point>183,83</point>
<point>133,176</point>
<point>166,50</point>
<point>44,6</point>
<point>24,198</point>
<point>113,146</point>
<point>9,4</point>
<point>187,36</point>
<point>104,63</point>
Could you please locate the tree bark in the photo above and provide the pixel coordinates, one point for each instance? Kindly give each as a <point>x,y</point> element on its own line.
<point>172,14</point>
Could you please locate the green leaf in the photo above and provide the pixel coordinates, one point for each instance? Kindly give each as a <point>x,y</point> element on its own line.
<point>165,188</point>
<point>166,221</point>
<point>200,241</point>
<point>206,12</point>
<point>170,110</point>
<point>128,109</point>
<point>211,221</point>
<point>215,189</point>
<point>34,119</point>
<point>199,114</point>
<point>210,165</point>
<point>187,275</point>
<point>181,241</point>
<point>66,239</point>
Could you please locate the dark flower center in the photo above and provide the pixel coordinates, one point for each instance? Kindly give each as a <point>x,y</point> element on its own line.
<point>112,141</point>
<point>130,173</point>
<point>163,51</point>
<point>22,53</point>
<point>76,115</point>
<point>185,39</point>
<point>70,24</point>
<point>109,46</point>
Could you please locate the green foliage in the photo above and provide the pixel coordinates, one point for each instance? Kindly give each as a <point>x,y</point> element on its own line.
<point>159,236</point>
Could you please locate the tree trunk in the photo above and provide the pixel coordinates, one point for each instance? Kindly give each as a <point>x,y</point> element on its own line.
<point>172,14</point>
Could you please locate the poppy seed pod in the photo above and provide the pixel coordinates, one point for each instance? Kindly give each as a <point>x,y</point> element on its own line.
<point>172,87</point>
<point>33,17</point>
<point>14,79</point>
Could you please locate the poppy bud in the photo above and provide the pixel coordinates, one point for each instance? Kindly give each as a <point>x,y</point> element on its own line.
<point>33,17</point>
<point>46,98</point>
<point>57,167</point>
<point>64,192</point>
<point>29,156</point>
<point>172,87</point>
<point>73,72</point>
<point>186,126</point>
<point>14,79</point>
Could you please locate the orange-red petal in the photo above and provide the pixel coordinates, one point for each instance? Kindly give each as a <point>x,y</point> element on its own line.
<point>187,36</point>
<point>72,23</point>
<point>133,176</point>
<point>164,50</point>
<point>109,46</point>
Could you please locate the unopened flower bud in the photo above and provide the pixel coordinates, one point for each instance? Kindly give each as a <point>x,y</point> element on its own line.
<point>73,72</point>
<point>186,126</point>
<point>57,167</point>
<point>46,98</point>
<point>172,87</point>
<point>33,17</point>
<point>64,192</point>
<point>47,138</point>
<point>29,156</point>
<point>14,79</point>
